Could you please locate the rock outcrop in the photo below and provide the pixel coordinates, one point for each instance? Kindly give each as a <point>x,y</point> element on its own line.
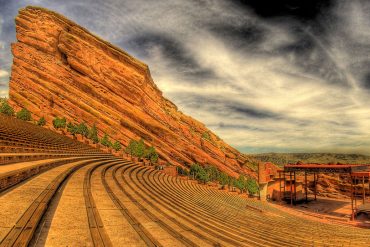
<point>61,69</point>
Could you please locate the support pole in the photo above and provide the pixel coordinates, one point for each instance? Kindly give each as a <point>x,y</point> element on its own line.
<point>284,183</point>
<point>295,189</point>
<point>355,195</point>
<point>363,189</point>
<point>279,186</point>
<point>353,212</point>
<point>306,187</point>
<point>314,179</point>
<point>291,188</point>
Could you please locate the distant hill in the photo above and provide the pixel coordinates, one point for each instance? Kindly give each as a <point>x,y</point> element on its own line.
<point>323,158</point>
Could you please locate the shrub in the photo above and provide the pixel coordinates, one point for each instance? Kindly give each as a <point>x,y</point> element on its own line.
<point>116,146</point>
<point>223,179</point>
<point>140,149</point>
<point>105,141</point>
<point>6,109</point>
<point>199,173</point>
<point>194,169</point>
<point>59,123</point>
<point>131,147</point>
<point>24,115</point>
<point>93,134</point>
<point>83,130</point>
<point>213,172</point>
<point>41,122</point>
<point>72,128</point>
<point>206,136</point>
<point>180,170</point>
<point>252,186</point>
<point>240,183</point>
<point>203,176</point>
<point>151,154</point>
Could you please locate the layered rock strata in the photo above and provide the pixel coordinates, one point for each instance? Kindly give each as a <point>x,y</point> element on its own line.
<point>61,69</point>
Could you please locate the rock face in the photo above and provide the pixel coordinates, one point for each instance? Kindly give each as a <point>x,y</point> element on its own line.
<point>61,69</point>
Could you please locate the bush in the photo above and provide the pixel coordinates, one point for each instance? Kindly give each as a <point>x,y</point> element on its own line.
<point>83,130</point>
<point>24,115</point>
<point>151,154</point>
<point>6,109</point>
<point>212,172</point>
<point>105,141</point>
<point>72,128</point>
<point>203,176</point>
<point>223,179</point>
<point>41,122</point>
<point>252,186</point>
<point>199,173</point>
<point>241,183</point>
<point>194,169</point>
<point>93,134</point>
<point>131,147</point>
<point>59,123</point>
<point>206,136</point>
<point>117,146</point>
<point>140,149</point>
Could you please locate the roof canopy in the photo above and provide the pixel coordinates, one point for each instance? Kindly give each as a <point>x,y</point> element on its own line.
<point>326,168</point>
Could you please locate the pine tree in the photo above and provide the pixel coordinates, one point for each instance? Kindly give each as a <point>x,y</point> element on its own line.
<point>105,141</point>
<point>93,134</point>
<point>24,115</point>
<point>83,130</point>
<point>72,128</point>
<point>41,122</point>
<point>116,146</point>
<point>6,109</point>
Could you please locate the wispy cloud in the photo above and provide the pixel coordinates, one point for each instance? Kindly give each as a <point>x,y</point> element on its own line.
<point>261,85</point>
<point>3,74</point>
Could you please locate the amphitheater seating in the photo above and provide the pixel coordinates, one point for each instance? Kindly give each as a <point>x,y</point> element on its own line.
<point>77,195</point>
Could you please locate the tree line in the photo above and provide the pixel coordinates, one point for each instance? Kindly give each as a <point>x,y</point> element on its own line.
<point>212,174</point>
<point>61,123</point>
<point>140,150</point>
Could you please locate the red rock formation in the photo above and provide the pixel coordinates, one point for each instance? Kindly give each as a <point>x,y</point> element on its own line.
<point>61,69</point>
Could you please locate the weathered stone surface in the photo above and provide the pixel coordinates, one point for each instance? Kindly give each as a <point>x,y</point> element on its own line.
<point>60,69</point>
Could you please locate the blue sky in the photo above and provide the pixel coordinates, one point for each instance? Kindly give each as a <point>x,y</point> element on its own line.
<point>285,81</point>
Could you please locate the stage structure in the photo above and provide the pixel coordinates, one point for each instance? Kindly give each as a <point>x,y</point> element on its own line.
<point>357,174</point>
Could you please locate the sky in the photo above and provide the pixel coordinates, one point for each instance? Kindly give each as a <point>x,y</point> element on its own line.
<point>291,76</point>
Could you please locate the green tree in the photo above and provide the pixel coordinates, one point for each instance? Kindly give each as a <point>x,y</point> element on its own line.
<point>223,179</point>
<point>241,183</point>
<point>140,149</point>
<point>105,141</point>
<point>252,186</point>
<point>72,128</point>
<point>59,123</point>
<point>131,147</point>
<point>24,115</point>
<point>6,109</point>
<point>194,169</point>
<point>93,134</point>
<point>203,176</point>
<point>180,170</point>
<point>213,172</point>
<point>83,130</point>
<point>154,158</point>
<point>206,136</point>
<point>41,122</point>
<point>116,146</point>
<point>151,154</point>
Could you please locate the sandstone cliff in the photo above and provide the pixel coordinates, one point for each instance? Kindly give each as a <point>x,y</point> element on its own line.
<point>61,69</point>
